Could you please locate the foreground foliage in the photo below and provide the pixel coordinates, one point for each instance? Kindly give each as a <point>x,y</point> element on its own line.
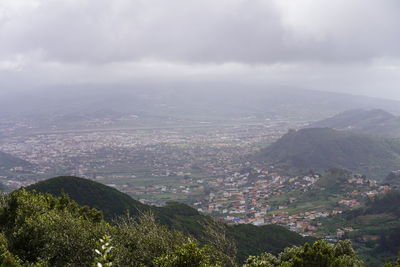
<point>248,239</point>
<point>395,263</point>
<point>43,230</point>
<point>319,254</point>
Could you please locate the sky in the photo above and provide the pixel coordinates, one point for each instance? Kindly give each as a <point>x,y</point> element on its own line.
<point>341,45</point>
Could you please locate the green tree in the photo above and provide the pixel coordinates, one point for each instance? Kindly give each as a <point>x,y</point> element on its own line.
<point>137,242</point>
<point>319,254</point>
<point>56,231</point>
<point>189,254</point>
<point>224,247</point>
<point>395,263</point>
<point>7,259</point>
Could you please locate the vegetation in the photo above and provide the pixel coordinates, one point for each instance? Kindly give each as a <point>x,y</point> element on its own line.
<point>39,229</point>
<point>259,239</point>
<point>103,251</point>
<point>42,230</point>
<point>388,203</point>
<point>394,263</point>
<point>319,254</point>
<point>57,231</point>
<point>189,255</point>
<point>110,201</point>
<point>375,228</point>
<point>248,239</point>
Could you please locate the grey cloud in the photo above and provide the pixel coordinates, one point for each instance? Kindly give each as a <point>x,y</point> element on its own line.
<point>340,45</point>
<point>247,31</point>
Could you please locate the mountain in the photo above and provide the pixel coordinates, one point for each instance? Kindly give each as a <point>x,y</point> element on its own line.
<point>249,239</point>
<point>325,148</point>
<point>375,122</point>
<point>8,161</point>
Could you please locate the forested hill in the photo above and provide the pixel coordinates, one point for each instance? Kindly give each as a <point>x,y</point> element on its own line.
<point>324,148</point>
<point>249,239</point>
<point>96,195</point>
<point>8,161</point>
<point>374,122</point>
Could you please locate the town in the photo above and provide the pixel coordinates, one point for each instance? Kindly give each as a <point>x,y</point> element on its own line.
<point>209,168</point>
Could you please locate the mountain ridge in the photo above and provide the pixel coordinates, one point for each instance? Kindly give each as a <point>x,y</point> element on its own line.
<point>180,100</point>
<point>377,122</point>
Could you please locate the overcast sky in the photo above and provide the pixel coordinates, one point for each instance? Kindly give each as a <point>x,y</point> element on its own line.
<point>334,45</point>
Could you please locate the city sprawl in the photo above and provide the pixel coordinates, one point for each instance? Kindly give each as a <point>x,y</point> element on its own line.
<point>208,166</point>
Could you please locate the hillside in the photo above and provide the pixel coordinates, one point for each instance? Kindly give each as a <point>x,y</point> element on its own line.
<point>324,148</point>
<point>96,195</point>
<point>8,161</point>
<point>375,122</point>
<point>249,239</point>
<point>323,194</point>
<point>374,229</point>
<point>393,178</point>
<point>42,230</point>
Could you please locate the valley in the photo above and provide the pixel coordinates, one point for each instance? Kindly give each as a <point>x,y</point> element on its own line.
<point>131,158</point>
<point>268,171</point>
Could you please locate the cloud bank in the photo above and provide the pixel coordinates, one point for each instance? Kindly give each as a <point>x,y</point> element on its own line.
<point>318,44</point>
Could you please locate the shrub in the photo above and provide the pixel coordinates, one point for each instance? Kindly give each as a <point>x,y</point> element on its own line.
<point>319,254</point>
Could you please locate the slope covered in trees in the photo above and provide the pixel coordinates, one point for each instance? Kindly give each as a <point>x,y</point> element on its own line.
<point>324,148</point>
<point>374,228</point>
<point>96,195</point>
<point>39,229</point>
<point>43,230</point>
<point>247,238</point>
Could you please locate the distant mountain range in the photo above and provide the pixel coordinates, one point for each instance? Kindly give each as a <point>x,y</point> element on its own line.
<point>325,148</point>
<point>200,101</point>
<point>374,122</point>
<point>8,161</point>
<point>249,239</point>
